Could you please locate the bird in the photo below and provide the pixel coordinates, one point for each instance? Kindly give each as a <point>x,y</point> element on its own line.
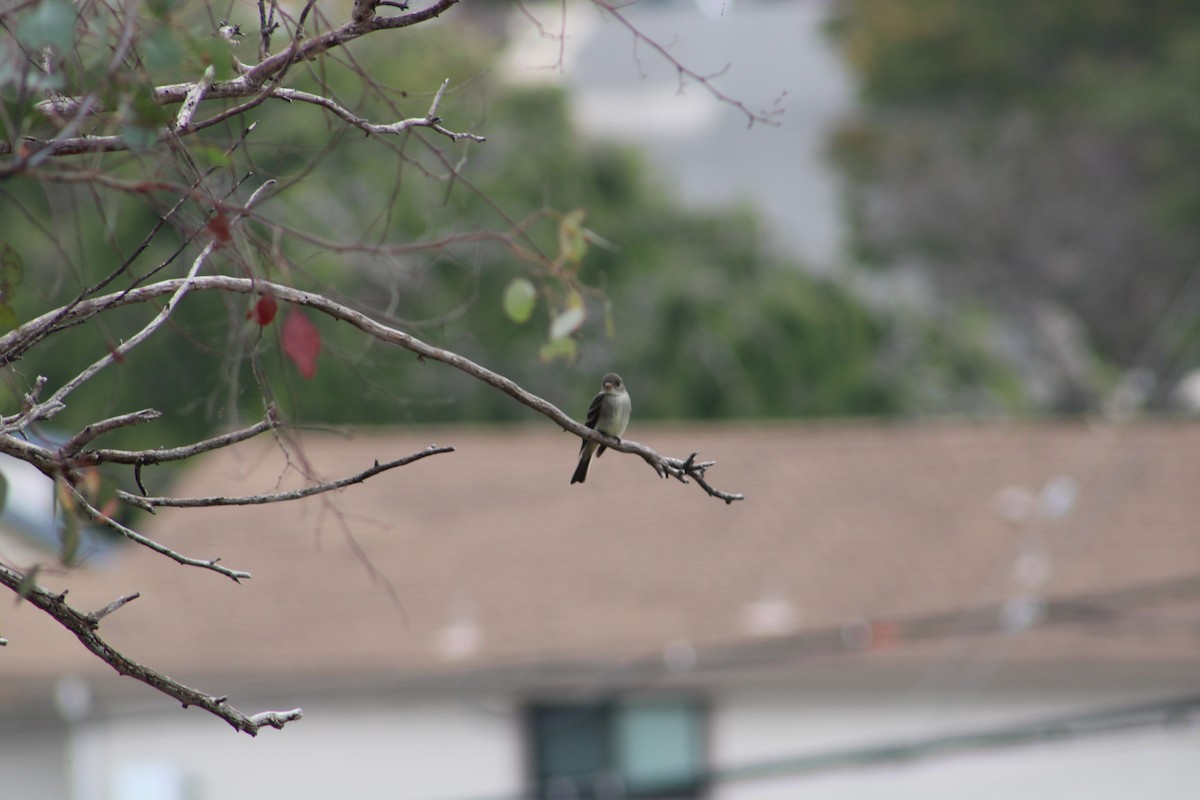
<point>608,413</point>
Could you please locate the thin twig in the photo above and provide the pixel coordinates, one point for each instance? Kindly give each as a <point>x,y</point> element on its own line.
<point>103,519</point>
<point>95,429</point>
<point>705,81</point>
<point>165,454</point>
<point>96,616</point>
<point>150,503</point>
<point>53,404</point>
<point>430,120</point>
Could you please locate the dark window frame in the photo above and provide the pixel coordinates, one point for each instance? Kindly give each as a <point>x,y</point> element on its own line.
<point>609,707</point>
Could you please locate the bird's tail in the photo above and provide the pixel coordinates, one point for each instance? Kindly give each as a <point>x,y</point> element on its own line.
<point>585,458</point>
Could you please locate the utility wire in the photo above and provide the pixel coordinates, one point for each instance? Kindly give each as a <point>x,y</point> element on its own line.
<point>1052,729</point>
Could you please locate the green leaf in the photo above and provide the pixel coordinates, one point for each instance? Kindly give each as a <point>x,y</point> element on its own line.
<point>68,521</point>
<point>12,272</point>
<point>210,155</point>
<point>142,118</point>
<point>139,137</point>
<point>519,300</point>
<point>215,51</point>
<point>68,532</point>
<point>161,50</point>
<point>29,581</point>
<point>572,244</point>
<point>12,269</point>
<point>559,348</point>
<point>52,23</point>
<point>163,8</point>
<point>144,109</point>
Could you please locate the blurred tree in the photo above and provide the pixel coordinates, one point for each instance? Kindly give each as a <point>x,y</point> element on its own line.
<point>1037,159</point>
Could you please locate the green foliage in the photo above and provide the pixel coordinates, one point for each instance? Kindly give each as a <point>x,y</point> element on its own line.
<point>52,24</point>
<point>947,51</point>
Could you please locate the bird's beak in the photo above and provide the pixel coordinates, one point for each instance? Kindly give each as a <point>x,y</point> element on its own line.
<point>608,386</point>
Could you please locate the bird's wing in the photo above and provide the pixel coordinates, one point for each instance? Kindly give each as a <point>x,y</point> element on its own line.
<point>594,410</point>
<point>593,416</point>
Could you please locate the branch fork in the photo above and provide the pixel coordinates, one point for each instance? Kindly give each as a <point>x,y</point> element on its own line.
<point>85,625</point>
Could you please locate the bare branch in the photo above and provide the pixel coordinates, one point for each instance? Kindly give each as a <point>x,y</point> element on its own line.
<point>54,403</point>
<point>44,458</point>
<point>191,102</point>
<point>46,324</point>
<point>663,465</point>
<point>91,431</point>
<point>430,120</point>
<point>275,719</point>
<point>103,519</point>
<point>150,503</point>
<point>96,616</point>
<point>162,455</point>
<point>36,328</point>
<point>84,627</point>
<point>258,83</point>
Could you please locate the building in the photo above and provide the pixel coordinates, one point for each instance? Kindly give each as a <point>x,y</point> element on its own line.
<point>922,610</point>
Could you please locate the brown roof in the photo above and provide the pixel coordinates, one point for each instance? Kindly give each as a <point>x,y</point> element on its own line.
<point>854,540</point>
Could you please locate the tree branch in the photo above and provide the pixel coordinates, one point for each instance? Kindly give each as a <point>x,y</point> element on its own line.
<point>54,403</point>
<point>681,469</point>
<point>84,627</point>
<point>430,120</point>
<point>191,102</point>
<point>95,429</point>
<point>258,83</point>
<point>93,514</point>
<point>162,455</point>
<point>150,503</point>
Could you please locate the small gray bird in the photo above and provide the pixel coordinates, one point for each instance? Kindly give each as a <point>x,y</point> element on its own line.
<point>608,413</point>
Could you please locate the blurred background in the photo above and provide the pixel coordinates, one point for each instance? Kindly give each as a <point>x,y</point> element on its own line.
<point>921,275</point>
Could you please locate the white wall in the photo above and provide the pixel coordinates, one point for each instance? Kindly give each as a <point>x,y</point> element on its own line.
<point>32,759</point>
<point>469,747</point>
<point>402,748</point>
<point>755,726</point>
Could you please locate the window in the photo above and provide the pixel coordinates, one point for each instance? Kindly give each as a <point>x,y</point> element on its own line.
<point>636,748</point>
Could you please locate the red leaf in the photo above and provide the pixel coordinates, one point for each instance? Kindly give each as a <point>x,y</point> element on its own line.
<point>110,508</point>
<point>264,310</point>
<point>218,228</point>
<point>301,342</point>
